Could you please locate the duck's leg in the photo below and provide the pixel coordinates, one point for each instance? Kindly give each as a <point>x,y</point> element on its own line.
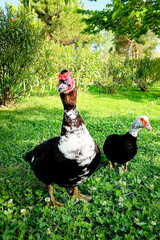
<point>52,199</point>
<point>81,196</point>
<point>111,165</point>
<point>125,166</point>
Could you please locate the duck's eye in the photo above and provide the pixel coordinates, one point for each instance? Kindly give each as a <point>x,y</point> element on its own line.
<point>142,119</point>
<point>61,81</point>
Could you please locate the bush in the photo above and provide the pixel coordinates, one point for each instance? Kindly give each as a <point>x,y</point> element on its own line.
<point>116,73</point>
<point>88,67</point>
<point>19,41</point>
<point>147,72</point>
<point>54,57</point>
<point>142,72</point>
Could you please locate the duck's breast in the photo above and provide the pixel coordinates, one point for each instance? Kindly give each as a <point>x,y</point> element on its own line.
<point>77,144</point>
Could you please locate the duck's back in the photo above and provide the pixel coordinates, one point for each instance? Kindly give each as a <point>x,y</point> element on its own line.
<point>120,148</point>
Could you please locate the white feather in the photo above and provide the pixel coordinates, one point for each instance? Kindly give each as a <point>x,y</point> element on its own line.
<point>32,159</point>
<point>77,144</point>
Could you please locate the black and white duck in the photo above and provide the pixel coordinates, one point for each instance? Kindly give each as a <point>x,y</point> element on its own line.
<point>122,148</point>
<point>69,159</point>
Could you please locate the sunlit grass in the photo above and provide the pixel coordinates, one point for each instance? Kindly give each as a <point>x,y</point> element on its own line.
<point>124,206</point>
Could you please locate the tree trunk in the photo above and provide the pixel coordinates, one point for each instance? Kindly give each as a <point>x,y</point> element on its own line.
<point>136,51</point>
<point>133,55</point>
<point>3,100</point>
<point>129,49</point>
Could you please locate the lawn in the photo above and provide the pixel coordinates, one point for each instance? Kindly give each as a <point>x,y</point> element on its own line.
<point>125,205</point>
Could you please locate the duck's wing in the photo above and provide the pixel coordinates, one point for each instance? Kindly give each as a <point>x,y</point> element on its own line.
<point>41,150</point>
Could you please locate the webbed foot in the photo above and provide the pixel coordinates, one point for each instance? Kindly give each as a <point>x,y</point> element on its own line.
<point>52,199</point>
<point>79,195</point>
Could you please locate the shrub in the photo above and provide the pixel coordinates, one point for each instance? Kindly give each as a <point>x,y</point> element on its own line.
<point>88,67</point>
<point>19,41</point>
<point>147,72</point>
<point>116,73</point>
<point>54,57</point>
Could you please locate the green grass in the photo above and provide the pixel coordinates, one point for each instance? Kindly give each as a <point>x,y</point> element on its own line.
<point>124,206</point>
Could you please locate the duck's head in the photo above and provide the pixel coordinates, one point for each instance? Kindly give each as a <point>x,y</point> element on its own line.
<point>141,122</point>
<point>138,124</point>
<point>66,82</point>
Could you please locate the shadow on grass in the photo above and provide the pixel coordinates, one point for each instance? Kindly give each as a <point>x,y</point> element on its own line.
<point>22,129</point>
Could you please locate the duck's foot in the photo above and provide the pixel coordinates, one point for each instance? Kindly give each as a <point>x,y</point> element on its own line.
<point>52,199</point>
<point>80,196</point>
<point>52,203</point>
<point>84,197</point>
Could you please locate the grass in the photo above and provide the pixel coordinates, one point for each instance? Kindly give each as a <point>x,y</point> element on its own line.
<point>126,205</point>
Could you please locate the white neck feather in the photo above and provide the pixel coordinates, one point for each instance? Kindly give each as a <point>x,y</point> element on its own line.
<point>134,131</point>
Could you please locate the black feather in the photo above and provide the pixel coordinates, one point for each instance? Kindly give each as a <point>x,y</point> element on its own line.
<point>28,156</point>
<point>120,148</point>
<point>49,163</point>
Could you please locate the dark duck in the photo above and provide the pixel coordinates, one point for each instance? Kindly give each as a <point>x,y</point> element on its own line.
<point>122,148</point>
<point>67,160</point>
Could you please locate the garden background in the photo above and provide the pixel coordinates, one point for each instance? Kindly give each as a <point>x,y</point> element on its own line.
<point>114,56</point>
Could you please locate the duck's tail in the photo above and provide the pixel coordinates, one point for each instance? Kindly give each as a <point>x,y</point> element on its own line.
<point>28,156</point>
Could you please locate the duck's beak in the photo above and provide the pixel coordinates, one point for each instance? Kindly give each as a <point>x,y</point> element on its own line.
<point>62,87</point>
<point>148,126</point>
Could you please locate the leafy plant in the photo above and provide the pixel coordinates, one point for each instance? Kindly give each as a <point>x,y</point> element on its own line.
<point>147,72</point>
<point>19,41</point>
<point>130,19</point>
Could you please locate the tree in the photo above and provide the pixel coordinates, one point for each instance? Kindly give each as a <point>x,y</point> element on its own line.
<point>128,18</point>
<point>151,19</point>
<point>19,41</point>
<point>61,22</point>
<point>69,1</point>
<point>138,49</point>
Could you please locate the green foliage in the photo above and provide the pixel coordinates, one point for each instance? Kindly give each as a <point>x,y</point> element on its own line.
<point>147,72</point>
<point>67,1</point>
<point>122,17</point>
<point>85,64</point>
<point>142,72</point>
<point>89,68</point>
<point>61,22</point>
<point>148,43</point>
<point>152,16</point>
<point>19,41</point>
<point>125,204</point>
<point>130,19</point>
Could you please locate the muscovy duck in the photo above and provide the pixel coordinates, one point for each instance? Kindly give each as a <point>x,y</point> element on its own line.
<point>67,160</point>
<point>122,148</point>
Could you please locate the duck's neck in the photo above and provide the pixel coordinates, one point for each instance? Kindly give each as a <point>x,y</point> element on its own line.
<point>134,131</point>
<point>69,99</point>
<point>71,119</point>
